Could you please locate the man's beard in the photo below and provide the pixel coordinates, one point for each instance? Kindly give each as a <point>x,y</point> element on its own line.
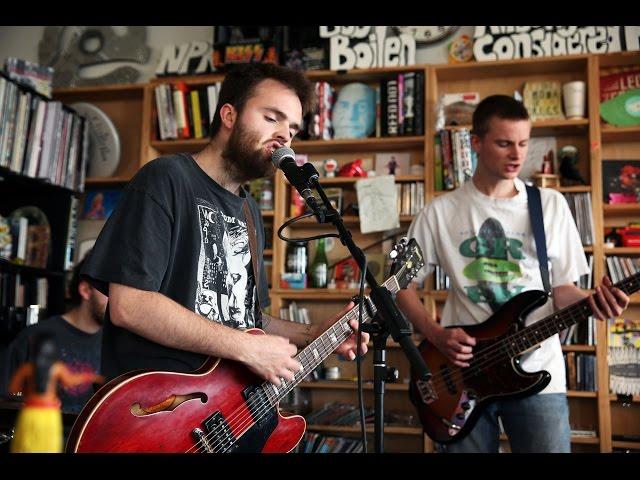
<point>242,160</point>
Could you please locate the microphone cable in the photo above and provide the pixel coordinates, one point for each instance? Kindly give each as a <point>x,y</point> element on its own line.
<point>363,269</point>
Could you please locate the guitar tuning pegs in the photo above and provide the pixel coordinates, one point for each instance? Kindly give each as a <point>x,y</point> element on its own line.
<point>404,240</point>
<point>393,254</point>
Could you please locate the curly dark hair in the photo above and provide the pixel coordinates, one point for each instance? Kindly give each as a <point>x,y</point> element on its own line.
<point>241,80</point>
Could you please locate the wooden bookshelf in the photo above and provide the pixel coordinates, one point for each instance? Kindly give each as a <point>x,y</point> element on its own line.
<point>7,266</point>
<point>622,208</point>
<point>340,181</point>
<point>575,439</point>
<point>581,394</point>
<point>579,348</point>
<point>390,429</point>
<point>350,385</point>
<point>546,127</point>
<point>346,219</point>
<point>625,444</point>
<point>132,107</point>
<point>622,251</point>
<point>106,181</point>
<point>620,134</point>
<point>358,145</point>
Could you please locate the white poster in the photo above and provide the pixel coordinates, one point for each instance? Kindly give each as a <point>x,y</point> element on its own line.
<point>378,204</point>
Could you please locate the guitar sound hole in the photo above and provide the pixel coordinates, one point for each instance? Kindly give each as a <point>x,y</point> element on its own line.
<point>167,405</point>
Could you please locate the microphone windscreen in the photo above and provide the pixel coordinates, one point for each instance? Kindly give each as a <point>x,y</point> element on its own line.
<point>280,153</point>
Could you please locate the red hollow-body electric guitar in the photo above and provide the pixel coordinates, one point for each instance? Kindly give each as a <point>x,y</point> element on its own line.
<point>221,407</point>
<point>451,401</point>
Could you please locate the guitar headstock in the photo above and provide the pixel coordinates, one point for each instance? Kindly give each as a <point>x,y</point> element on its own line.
<point>407,261</point>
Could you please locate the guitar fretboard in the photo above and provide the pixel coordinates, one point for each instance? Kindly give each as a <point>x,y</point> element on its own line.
<point>558,321</point>
<point>318,350</point>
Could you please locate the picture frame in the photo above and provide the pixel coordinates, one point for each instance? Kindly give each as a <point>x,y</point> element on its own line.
<point>99,204</point>
<point>334,195</point>
<point>621,181</point>
<point>393,163</point>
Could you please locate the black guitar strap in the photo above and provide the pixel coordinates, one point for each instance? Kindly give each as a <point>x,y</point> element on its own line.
<point>535,214</point>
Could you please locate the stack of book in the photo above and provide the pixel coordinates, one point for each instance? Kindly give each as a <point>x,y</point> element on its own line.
<point>316,443</point>
<point>296,314</point>
<point>580,206</point>
<point>185,112</point>
<point>41,138</point>
<point>454,159</point>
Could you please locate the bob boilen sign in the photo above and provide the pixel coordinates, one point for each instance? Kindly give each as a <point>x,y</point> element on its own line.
<point>368,47</point>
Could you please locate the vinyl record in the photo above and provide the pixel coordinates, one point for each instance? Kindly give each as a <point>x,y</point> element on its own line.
<point>104,142</point>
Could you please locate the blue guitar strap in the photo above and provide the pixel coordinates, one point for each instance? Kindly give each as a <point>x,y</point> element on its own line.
<point>535,214</point>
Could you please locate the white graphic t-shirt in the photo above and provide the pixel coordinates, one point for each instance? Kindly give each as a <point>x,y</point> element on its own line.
<point>486,247</point>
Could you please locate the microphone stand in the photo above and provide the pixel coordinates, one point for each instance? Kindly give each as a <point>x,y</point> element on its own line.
<point>388,318</point>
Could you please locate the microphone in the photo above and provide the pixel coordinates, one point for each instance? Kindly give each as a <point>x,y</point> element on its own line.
<point>284,159</point>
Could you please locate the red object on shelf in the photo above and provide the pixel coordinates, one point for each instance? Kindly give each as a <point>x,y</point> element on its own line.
<point>630,236</point>
<point>615,198</point>
<point>352,169</point>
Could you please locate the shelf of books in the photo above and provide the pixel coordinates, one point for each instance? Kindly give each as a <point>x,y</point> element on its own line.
<point>43,158</point>
<point>578,348</point>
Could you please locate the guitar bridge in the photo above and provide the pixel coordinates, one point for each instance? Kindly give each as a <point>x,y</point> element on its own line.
<point>218,437</point>
<point>201,439</point>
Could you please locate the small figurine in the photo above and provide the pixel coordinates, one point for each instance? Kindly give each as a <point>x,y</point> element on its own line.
<point>330,165</point>
<point>547,162</point>
<point>568,165</point>
<point>392,165</point>
<point>39,424</point>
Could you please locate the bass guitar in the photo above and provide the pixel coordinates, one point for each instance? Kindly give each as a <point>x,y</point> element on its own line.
<point>451,401</point>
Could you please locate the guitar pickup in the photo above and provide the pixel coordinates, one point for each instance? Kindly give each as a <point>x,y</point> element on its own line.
<point>256,401</point>
<point>446,374</point>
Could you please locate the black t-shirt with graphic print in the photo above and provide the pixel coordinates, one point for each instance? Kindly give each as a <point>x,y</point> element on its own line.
<point>177,232</point>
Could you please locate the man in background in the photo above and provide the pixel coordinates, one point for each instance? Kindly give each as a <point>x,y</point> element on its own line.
<point>78,336</point>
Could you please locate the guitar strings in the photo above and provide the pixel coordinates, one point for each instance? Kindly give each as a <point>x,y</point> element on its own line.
<point>241,420</point>
<point>247,418</point>
<point>486,357</point>
<point>501,347</point>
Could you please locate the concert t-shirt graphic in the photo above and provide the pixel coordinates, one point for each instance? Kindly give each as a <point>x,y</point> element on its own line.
<point>225,274</point>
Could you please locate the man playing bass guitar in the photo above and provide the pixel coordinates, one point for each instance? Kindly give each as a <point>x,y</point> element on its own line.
<point>481,234</point>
